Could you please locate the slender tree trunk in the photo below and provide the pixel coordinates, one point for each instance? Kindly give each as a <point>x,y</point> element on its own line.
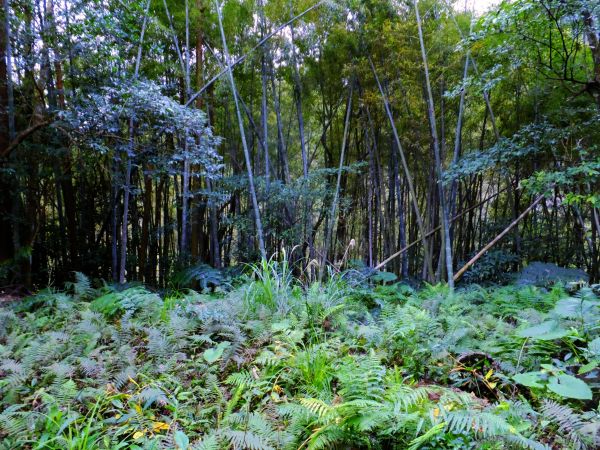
<point>336,193</point>
<point>7,130</point>
<point>6,80</point>
<point>458,136</point>
<point>215,250</point>
<point>408,176</point>
<point>128,154</point>
<point>146,218</point>
<point>264,113</point>
<point>114,226</point>
<point>436,150</point>
<point>258,223</point>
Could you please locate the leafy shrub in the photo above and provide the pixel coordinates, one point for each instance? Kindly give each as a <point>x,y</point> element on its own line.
<point>494,266</point>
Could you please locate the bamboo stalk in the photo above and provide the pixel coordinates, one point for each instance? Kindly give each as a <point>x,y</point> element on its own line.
<point>334,202</point>
<point>259,228</point>
<point>436,229</point>
<point>474,259</point>
<point>407,174</point>
<point>231,65</point>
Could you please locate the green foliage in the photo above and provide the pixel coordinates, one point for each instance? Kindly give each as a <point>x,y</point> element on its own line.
<point>550,378</point>
<point>129,301</point>
<point>314,367</point>
<point>494,266</point>
<point>204,276</point>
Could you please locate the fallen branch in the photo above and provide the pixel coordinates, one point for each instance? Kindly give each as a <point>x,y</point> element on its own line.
<point>474,259</point>
<point>436,229</point>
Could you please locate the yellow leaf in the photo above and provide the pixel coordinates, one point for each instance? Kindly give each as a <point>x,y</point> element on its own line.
<point>492,384</point>
<point>489,374</point>
<point>138,408</point>
<point>436,412</point>
<point>158,426</point>
<point>138,434</point>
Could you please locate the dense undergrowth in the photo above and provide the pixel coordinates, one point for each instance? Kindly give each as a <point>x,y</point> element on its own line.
<point>274,364</point>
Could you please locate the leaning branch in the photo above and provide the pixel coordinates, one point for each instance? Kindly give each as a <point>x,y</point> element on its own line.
<point>244,56</point>
<point>24,135</point>
<point>474,259</point>
<point>436,229</point>
<point>407,174</point>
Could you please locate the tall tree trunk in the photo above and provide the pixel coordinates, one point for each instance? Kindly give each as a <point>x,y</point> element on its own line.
<point>436,149</point>
<point>7,131</point>
<point>146,219</point>
<point>458,136</point>
<point>264,113</point>
<point>128,154</point>
<point>334,203</point>
<point>258,223</point>
<point>408,176</point>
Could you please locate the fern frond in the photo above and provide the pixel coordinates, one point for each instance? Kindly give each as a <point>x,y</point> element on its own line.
<point>150,395</point>
<point>525,443</point>
<point>417,442</point>
<point>158,345</point>
<point>82,286</point>
<point>406,397</point>
<point>363,380</point>
<point>246,440</point>
<point>123,377</point>
<point>318,407</point>
<point>569,422</point>
<point>14,421</point>
<point>326,437</point>
<point>8,320</point>
<point>476,423</point>
<point>243,378</point>
<point>208,442</point>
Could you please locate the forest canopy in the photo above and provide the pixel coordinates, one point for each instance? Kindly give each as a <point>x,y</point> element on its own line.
<point>141,138</point>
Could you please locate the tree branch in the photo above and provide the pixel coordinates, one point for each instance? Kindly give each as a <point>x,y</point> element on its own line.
<point>24,135</point>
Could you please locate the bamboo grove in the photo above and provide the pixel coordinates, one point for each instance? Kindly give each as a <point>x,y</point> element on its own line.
<point>155,134</point>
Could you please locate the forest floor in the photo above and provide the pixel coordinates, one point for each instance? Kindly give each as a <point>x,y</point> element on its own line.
<point>269,364</point>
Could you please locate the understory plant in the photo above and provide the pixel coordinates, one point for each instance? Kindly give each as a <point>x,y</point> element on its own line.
<point>275,364</point>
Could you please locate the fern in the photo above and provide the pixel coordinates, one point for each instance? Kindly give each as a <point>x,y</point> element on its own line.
<point>15,373</point>
<point>209,442</point>
<point>364,380</point>
<point>524,442</point>
<point>152,395</point>
<point>479,423</point>
<point>319,408</point>
<point>16,421</point>
<point>121,378</point>
<point>417,442</point>
<point>314,370</point>
<point>158,345</point>
<point>8,320</point>
<point>82,286</point>
<point>246,440</point>
<point>569,422</point>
